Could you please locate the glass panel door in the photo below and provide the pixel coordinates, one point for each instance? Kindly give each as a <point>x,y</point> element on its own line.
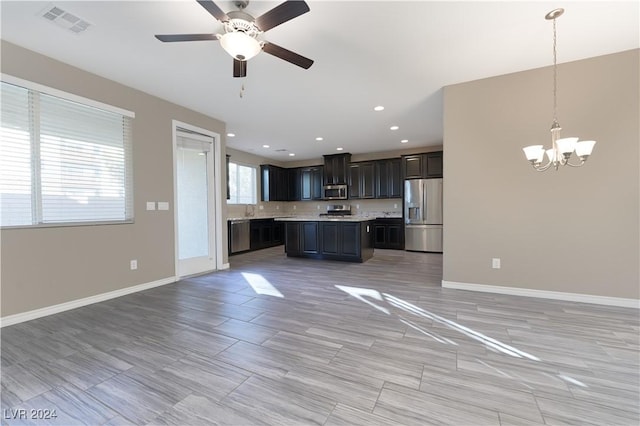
<point>194,183</point>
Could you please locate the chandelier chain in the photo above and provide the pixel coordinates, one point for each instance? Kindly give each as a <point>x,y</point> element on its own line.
<point>555,73</point>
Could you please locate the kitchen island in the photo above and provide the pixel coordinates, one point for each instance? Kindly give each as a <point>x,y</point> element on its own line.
<point>348,239</point>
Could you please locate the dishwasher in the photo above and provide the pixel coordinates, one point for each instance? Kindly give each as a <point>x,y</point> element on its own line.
<point>239,235</point>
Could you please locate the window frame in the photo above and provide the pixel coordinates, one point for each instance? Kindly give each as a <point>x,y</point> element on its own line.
<point>128,158</point>
<point>255,185</point>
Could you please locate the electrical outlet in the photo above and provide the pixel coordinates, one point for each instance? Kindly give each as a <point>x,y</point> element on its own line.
<point>495,263</point>
<point>260,207</point>
<point>294,206</point>
<point>277,207</point>
<point>133,264</point>
<point>357,206</point>
<point>318,207</point>
<point>163,205</point>
<point>151,205</point>
<point>395,206</point>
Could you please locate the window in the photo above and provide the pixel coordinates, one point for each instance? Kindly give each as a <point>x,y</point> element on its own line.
<point>62,161</point>
<point>242,184</point>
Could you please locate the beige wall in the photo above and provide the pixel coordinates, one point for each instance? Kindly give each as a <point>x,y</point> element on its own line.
<point>575,230</point>
<point>47,266</point>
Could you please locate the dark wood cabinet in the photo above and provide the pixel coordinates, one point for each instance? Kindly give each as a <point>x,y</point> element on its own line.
<point>388,233</point>
<point>295,184</point>
<point>336,169</point>
<point>432,165</point>
<point>265,233</point>
<point>421,166</point>
<point>275,183</point>
<point>388,179</point>
<point>278,233</point>
<point>310,241</point>
<point>228,187</point>
<point>311,183</point>
<point>301,238</point>
<point>292,240</point>
<point>412,166</point>
<point>362,180</point>
<point>347,241</point>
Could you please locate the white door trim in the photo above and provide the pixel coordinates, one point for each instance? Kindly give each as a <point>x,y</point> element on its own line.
<point>217,192</point>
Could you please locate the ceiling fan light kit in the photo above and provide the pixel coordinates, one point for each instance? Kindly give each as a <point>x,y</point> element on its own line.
<point>240,45</point>
<point>241,31</point>
<point>561,149</point>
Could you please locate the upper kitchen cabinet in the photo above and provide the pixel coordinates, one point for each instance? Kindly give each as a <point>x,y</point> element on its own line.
<point>228,187</point>
<point>420,166</point>
<point>311,183</point>
<point>275,183</point>
<point>432,166</point>
<point>362,180</point>
<point>336,169</point>
<point>388,178</point>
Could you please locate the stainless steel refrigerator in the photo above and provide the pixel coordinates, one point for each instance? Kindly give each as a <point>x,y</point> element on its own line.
<point>423,215</point>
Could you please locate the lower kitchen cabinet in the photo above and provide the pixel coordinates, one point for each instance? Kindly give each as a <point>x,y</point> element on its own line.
<point>301,238</point>
<point>347,241</point>
<point>388,233</point>
<point>263,233</point>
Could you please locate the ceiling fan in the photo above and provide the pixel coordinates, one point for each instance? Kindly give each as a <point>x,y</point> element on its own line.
<point>241,31</point>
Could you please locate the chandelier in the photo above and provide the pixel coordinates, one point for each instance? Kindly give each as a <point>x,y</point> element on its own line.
<point>561,149</point>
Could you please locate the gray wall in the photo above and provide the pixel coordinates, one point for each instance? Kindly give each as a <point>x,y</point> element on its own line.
<point>575,230</point>
<point>48,266</point>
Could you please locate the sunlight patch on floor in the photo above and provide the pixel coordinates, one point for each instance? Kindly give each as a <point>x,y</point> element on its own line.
<point>261,285</point>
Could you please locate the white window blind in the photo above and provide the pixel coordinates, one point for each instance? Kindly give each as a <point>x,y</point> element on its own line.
<point>62,162</point>
<point>242,184</point>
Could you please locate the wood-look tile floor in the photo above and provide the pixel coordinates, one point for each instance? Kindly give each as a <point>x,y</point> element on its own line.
<point>283,341</point>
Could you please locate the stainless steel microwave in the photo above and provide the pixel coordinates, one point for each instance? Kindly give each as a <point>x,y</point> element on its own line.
<point>335,192</point>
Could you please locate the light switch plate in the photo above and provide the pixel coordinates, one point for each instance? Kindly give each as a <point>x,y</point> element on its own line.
<point>151,205</point>
<point>163,205</point>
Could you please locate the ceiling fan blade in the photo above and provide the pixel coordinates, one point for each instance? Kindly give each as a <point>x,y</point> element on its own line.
<point>287,55</point>
<point>185,37</point>
<point>239,68</point>
<point>280,14</point>
<point>214,10</point>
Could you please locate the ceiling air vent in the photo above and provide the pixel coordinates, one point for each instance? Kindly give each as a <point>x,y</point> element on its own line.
<point>65,19</point>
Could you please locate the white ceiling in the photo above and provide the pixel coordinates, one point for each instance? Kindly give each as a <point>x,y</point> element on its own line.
<point>367,53</point>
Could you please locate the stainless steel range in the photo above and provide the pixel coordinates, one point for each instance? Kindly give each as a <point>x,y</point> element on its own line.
<point>337,210</point>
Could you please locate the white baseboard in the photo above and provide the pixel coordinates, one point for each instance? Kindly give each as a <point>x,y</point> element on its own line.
<point>545,294</point>
<point>50,310</point>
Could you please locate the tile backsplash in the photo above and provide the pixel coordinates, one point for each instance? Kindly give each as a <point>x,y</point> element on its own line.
<point>372,208</point>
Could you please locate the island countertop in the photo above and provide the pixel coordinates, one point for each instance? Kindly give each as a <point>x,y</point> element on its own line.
<point>324,219</point>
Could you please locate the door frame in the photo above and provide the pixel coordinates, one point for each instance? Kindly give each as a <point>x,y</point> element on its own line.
<point>218,180</point>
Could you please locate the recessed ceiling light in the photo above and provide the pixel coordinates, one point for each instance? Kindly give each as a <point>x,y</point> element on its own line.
<point>394,128</point>
<point>231,135</point>
<point>378,108</point>
<point>404,141</point>
<point>291,154</point>
<point>319,138</point>
<point>339,149</point>
<point>265,146</point>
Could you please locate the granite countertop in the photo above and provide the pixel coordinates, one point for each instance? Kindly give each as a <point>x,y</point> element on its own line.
<point>316,218</point>
<point>258,217</point>
<point>325,219</point>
